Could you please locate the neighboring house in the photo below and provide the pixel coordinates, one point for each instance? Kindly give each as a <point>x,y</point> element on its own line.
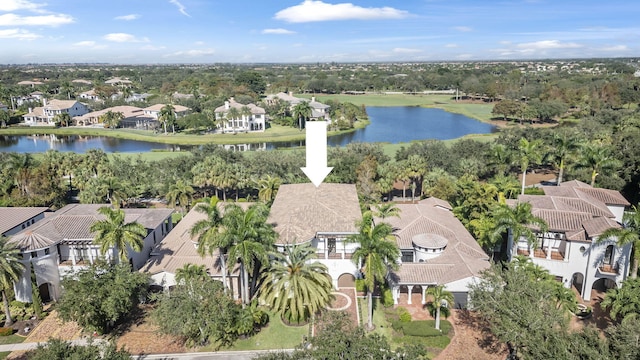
<point>90,95</point>
<point>178,96</point>
<point>255,121</point>
<point>138,97</point>
<point>16,219</point>
<point>43,115</point>
<point>134,117</point>
<point>81,81</point>
<point>154,110</point>
<point>30,83</point>
<point>436,250</point>
<point>319,111</point>
<point>116,81</point>
<point>180,248</point>
<point>61,243</point>
<point>577,214</point>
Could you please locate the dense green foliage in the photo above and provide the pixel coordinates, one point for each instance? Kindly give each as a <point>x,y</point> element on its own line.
<point>10,270</point>
<point>100,296</point>
<point>56,349</point>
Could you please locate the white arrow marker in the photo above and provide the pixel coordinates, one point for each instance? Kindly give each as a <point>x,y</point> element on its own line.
<point>316,169</point>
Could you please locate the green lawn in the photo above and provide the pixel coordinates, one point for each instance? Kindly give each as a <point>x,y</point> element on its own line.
<point>152,155</point>
<point>275,336</point>
<point>4,354</point>
<point>382,99</point>
<point>11,339</point>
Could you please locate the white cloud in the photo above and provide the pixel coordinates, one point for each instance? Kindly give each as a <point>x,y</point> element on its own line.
<point>13,5</point>
<point>152,47</point>
<point>278,31</point>
<point>191,53</point>
<point>19,34</point>
<point>89,44</point>
<point>547,44</point>
<point>463,28</point>
<point>615,48</point>
<point>312,10</point>
<point>127,17</point>
<point>451,45</point>
<point>406,51</point>
<point>122,37</point>
<point>39,20</point>
<point>181,7</point>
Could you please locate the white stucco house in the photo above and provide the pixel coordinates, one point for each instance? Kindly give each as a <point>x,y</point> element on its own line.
<point>154,110</point>
<point>61,243</point>
<point>577,214</point>
<point>44,115</point>
<point>15,219</point>
<point>250,117</point>
<point>319,111</point>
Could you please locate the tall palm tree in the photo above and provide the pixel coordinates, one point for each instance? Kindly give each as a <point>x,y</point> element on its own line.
<point>294,286</point>
<point>268,188</point>
<point>191,273</point>
<point>596,158</point>
<point>62,119</point>
<point>210,239</point>
<point>377,252</point>
<point>500,158</point>
<point>518,220</point>
<point>111,119</point>
<point>629,234</point>
<point>441,300</point>
<point>180,193</point>
<point>386,210</point>
<point>245,112</point>
<point>113,233</point>
<point>167,117</point>
<point>528,152</point>
<point>302,111</point>
<point>416,167</point>
<point>250,237</point>
<point>564,146</point>
<point>10,270</point>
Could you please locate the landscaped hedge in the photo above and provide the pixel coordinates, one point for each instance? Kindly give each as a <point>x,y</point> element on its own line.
<point>387,298</point>
<point>5,331</point>
<point>426,328</point>
<point>360,285</point>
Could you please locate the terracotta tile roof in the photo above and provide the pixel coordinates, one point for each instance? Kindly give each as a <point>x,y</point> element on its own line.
<point>233,104</point>
<point>59,104</point>
<point>562,221</point>
<point>158,108</point>
<point>72,222</point>
<point>29,241</point>
<point>11,217</point>
<point>178,249</point>
<point>596,226</point>
<point>607,196</point>
<point>462,257</point>
<point>302,210</point>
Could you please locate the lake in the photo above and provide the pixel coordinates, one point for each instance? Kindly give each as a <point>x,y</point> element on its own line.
<point>388,124</point>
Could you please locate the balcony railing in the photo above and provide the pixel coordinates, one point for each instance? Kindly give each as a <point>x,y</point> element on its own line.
<point>542,254</point>
<point>609,269</point>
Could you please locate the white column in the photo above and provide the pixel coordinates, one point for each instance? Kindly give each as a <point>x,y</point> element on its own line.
<point>396,294</point>
<point>72,251</point>
<point>326,247</point>
<point>409,287</point>
<point>90,250</point>
<point>424,294</point>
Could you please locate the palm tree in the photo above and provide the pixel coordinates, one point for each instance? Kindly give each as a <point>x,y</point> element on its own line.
<point>245,112</point>
<point>416,167</point>
<point>210,239</point>
<point>629,234</point>
<point>528,152</point>
<point>62,119</point>
<point>232,116</point>
<point>191,273</point>
<point>597,158</point>
<point>441,300</point>
<point>127,92</point>
<point>66,88</point>
<point>564,146</point>
<point>250,237</point>
<point>167,117</point>
<point>377,252</point>
<point>386,210</point>
<point>302,111</point>
<point>180,193</point>
<point>111,119</point>
<point>518,220</point>
<point>10,270</point>
<point>623,302</point>
<point>500,158</point>
<point>114,233</point>
<point>294,286</point>
<point>268,188</point>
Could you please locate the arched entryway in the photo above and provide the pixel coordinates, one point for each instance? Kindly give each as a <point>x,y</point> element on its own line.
<point>577,281</point>
<point>45,294</point>
<point>346,281</point>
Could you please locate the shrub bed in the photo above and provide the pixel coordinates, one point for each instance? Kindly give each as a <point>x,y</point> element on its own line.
<point>5,331</point>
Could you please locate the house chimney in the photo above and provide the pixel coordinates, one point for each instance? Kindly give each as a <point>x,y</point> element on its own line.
<point>44,101</point>
<point>30,110</point>
<point>226,105</point>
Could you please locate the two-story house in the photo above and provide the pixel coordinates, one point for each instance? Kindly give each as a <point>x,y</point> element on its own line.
<point>576,214</point>
<point>44,115</point>
<point>319,111</point>
<point>62,243</point>
<point>155,110</point>
<point>15,219</point>
<point>249,117</point>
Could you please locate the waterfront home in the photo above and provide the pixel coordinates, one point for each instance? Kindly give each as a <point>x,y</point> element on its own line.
<point>62,243</point>
<point>249,117</point>
<point>154,110</point>
<point>577,214</point>
<point>133,117</point>
<point>44,115</point>
<point>319,111</point>
<point>16,219</point>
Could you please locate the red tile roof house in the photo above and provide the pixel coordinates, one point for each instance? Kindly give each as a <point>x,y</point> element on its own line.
<point>253,121</point>
<point>318,109</point>
<point>577,214</point>
<point>61,243</point>
<point>43,115</point>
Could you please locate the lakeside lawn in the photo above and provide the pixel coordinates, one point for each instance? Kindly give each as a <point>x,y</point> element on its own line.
<point>383,99</point>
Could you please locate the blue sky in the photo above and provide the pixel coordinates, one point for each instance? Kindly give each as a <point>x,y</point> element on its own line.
<point>208,31</point>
